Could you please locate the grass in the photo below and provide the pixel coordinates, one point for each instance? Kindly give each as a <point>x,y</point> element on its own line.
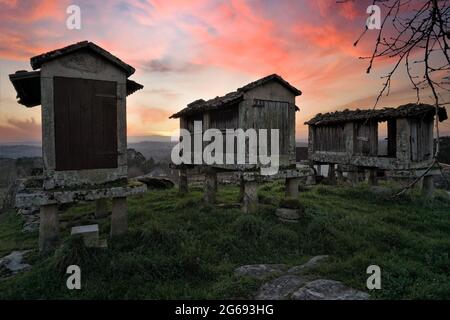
<point>180,248</point>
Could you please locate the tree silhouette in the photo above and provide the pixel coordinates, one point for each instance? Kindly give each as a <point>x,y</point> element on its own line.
<point>414,33</point>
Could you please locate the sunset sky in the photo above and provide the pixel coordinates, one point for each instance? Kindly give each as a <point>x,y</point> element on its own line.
<point>184,50</point>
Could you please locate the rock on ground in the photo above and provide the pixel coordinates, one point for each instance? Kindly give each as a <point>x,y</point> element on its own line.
<point>280,288</point>
<point>13,263</point>
<point>311,264</point>
<point>323,289</point>
<point>31,219</point>
<point>155,183</point>
<point>291,285</point>
<point>260,271</point>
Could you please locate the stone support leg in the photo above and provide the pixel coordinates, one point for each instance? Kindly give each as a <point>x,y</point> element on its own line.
<point>210,186</point>
<point>119,216</point>
<point>48,228</point>
<point>250,199</point>
<point>292,187</point>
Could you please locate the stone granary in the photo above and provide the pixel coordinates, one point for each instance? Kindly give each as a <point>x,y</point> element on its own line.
<point>350,139</point>
<point>268,103</point>
<point>82,90</point>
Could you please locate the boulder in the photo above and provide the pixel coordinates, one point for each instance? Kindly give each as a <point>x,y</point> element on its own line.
<point>280,288</point>
<point>323,289</point>
<point>13,264</point>
<point>260,271</point>
<point>155,183</point>
<point>311,264</point>
<point>31,219</point>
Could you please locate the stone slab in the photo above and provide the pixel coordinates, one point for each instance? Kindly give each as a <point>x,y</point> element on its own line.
<point>280,288</point>
<point>14,262</point>
<point>323,289</point>
<point>40,197</point>
<point>89,233</point>
<point>260,271</point>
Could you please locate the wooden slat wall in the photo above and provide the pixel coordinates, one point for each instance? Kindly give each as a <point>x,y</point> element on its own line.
<point>423,138</point>
<point>85,124</point>
<point>274,115</point>
<point>225,118</point>
<point>366,138</point>
<point>329,138</point>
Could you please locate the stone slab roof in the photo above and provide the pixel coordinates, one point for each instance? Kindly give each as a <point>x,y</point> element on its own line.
<point>37,61</point>
<point>28,87</point>
<point>232,97</point>
<point>410,110</point>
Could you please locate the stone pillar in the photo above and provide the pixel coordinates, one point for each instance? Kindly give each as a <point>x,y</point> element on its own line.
<point>216,184</point>
<point>250,199</point>
<point>372,177</point>
<point>331,173</point>
<point>339,174</point>
<point>292,187</point>
<point>48,228</point>
<point>183,181</point>
<point>353,175</point>
<point>361,174</point>
<point>428,187</point>
<point>119,216</point>
<point>101,208</point>
<point>319,170</point>
<point>241,189</point>
<point>210,186</point>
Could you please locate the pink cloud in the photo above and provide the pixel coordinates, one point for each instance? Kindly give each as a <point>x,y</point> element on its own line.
<point>310,43</point>
<point>20,130</point>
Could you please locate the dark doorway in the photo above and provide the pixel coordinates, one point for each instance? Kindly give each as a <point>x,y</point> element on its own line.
<point>392,138</point>
<point>85,124</point>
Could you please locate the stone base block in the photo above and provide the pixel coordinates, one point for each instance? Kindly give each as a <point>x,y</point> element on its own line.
<point>250,198</point>
<point>288,215</point>
<point>48,228</point>
<point>119,217</point>
<point>89,233</point>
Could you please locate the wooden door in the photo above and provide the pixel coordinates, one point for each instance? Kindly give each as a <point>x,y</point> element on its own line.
<point>85,115</point>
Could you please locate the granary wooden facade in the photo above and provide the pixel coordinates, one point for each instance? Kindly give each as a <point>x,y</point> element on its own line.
<point>352,138</point>
<point>82,91</point>
<point>268,103</point>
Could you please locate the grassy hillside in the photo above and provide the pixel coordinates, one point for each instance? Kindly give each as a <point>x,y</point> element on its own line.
<point>180,248</point>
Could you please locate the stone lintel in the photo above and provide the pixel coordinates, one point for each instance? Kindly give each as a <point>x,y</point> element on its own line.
<point>300,172</point>
<point>40,197</point>
<point>383,163</point>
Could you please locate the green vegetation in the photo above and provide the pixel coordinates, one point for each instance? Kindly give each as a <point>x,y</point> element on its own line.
<point>178,247</point>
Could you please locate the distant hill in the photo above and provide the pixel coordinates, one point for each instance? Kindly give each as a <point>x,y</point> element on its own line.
<point>158,150</point>
<point>20,151</point>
